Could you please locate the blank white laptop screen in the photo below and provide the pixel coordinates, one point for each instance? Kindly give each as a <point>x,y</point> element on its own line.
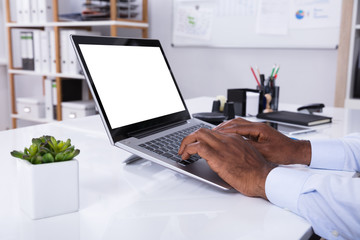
<point>133,82</point>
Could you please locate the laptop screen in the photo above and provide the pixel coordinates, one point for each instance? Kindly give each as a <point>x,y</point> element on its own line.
<point>133,80</point>
<point>132,83</point>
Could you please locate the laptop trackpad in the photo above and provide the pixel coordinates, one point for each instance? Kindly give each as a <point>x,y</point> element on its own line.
<point>202,169</point>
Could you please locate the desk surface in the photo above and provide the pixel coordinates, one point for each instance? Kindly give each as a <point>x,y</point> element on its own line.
<point>144,200</point>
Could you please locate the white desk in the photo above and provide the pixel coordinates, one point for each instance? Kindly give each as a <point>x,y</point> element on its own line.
<point>144,200</point>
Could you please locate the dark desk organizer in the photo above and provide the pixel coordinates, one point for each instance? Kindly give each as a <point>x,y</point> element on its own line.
<point>239,97</point>
<point>235,105</point>
<point>216,116</point>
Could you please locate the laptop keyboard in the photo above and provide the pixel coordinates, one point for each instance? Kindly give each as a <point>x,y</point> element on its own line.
<point>168,145</point>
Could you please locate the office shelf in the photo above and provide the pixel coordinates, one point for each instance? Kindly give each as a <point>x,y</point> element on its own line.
<point>37,120</point>
<point>122,23</point>
<point>55,75</point>
<point>56,24</point>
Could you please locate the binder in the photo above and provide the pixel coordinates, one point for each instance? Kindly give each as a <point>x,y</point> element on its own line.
<point>34,11</point>
<point>64,51</point>
<point>295,118</point>
<point>85,92</point>
<point>54,93</point>
<point>23,50</point>
<point>30,50</point>
<point>52,51</point>
<point>19,11</point>
<point>69,62</point>
<point>73,65</point>
<point>27,50</point>
<point>45,11</point>
<point>26,7</point>
<point>37,50</point>
<point>45,51</point>
<point>49,105</point>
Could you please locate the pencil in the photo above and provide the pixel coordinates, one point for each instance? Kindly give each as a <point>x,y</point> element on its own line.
<point>258,71</point>
<point>257,80</point>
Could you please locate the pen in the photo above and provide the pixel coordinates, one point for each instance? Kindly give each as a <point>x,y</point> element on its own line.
<point>272,72</point>
<point>257,81</point>
<point>262,80</point>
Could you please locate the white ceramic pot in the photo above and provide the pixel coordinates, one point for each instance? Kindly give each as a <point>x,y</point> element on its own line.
<point>49,189</point>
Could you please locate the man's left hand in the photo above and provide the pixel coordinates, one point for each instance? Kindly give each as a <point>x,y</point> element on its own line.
<point>232,158</point>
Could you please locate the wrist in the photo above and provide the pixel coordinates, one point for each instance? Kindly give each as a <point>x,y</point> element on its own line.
<point>266,171</point>
<point>302,152</point>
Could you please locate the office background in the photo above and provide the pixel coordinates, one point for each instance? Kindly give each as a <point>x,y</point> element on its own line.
<point>306,75</point>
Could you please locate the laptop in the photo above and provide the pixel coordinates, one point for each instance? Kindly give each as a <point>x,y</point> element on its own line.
<point>140,103</point>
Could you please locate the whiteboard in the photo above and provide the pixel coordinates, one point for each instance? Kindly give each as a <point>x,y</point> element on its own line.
<point>257,23</point>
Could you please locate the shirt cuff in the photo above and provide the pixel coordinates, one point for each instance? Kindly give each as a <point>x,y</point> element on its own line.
<point>283,187</point>
<point>328,153</point>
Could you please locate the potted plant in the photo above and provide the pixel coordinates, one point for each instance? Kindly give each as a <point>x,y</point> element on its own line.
<point>48,177</point>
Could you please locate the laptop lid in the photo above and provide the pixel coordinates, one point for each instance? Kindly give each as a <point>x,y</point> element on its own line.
<point>132,83</point>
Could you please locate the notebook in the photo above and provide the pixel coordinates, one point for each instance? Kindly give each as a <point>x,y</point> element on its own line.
<point>295,118</point>
<point>139,101</point>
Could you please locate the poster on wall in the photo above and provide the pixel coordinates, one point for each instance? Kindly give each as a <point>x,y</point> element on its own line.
<point>257,23</point>
<point>315,14</point>
<point>194,20</point>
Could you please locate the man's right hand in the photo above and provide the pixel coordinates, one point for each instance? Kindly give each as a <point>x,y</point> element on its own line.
<point>272,144</point>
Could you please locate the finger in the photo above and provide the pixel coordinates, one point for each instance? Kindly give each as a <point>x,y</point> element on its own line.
<point>209,145</point>
<point>191,138</point>
<point>202,134</point>
<point>201,148</point>
<point>249,130</point>
<point>231,122</point>
<point>189,150</point>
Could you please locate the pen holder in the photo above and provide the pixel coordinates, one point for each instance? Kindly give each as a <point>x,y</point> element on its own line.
<point>275,95</point>
<point>274,92</point>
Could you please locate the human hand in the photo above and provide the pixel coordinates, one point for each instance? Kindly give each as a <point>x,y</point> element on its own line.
<point>272,144</point>
<point>232,158</point>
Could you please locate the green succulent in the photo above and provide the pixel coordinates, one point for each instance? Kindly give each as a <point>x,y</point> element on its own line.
<point>47,149</point>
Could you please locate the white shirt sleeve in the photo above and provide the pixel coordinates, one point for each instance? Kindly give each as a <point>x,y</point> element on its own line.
<point>336,154</point>
<point>331,203</point>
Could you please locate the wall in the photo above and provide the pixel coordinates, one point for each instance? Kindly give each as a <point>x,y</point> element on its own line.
<point>305,76</point>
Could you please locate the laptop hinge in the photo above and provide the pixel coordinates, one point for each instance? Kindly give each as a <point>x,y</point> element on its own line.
<point>145,133</point>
